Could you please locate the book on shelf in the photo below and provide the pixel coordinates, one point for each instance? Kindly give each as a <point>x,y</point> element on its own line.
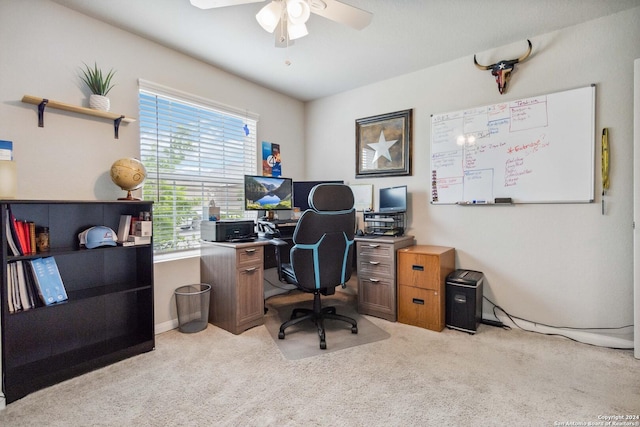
<point>123,228</point>
<point>140,240</point>
<point>13,237</point>
<point>26,301</point>
<point>48,280</point>
<point>21,294</point>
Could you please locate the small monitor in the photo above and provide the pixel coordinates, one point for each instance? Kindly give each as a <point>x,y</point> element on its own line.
<point>267,193</point>
<point>393,199</point>
<point>301,190</point>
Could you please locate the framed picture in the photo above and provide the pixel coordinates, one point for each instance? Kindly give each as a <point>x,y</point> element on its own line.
<point>383,145</point>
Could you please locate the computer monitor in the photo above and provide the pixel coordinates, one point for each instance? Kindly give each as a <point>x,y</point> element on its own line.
<point>267,193</point>
<point>301,190</point>
<point>393,199</point>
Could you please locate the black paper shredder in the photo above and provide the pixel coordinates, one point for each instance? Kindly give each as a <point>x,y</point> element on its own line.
<point>463,290</point>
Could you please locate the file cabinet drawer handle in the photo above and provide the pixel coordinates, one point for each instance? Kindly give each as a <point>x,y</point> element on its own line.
<point>374,262</point>
<point>417,267</point>
<point>418,301</point>
<point>371,245</point>
<point>250,251</point>
<point>250,270</point>
<point>372,280</point>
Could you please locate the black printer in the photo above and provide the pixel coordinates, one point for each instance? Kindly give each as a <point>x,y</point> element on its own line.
<point>227,230</point>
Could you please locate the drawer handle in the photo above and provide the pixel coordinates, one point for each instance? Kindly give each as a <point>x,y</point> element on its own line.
<point>374,280</point>
<point>250,251</point>
<point>250,270</point>
<point>417,267</point>
<point>418,301</point>
<point>374,262</point>
<point>373,246</point>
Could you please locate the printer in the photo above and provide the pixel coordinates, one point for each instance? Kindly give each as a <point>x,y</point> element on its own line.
<point>225,230</point>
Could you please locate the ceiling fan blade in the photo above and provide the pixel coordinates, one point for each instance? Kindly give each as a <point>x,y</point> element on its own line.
<point>212,4</point>
<point>342,13</point>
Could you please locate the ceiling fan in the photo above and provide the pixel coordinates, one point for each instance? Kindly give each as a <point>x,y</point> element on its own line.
<point>289,17</point>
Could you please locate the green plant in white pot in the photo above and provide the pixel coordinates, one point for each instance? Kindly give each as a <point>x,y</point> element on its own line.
<point>99,84</point>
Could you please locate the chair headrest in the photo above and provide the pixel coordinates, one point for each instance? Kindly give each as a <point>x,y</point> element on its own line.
<point>331,197</point>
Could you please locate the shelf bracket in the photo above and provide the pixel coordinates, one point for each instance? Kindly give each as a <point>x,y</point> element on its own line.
<point>116,125</point>
<point>41,107</point>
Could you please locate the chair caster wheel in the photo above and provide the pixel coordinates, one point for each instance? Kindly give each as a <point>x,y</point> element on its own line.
<point>281,335</point>
<point>323,345</point>
<point>354,329</point>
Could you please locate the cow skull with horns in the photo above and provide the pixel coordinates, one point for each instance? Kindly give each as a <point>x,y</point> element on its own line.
<point>502,70</point>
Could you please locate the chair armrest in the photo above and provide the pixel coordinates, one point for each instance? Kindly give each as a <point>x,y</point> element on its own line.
<point>278,243</point>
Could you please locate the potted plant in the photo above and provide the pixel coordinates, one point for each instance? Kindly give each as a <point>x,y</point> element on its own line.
<point>99,84</point>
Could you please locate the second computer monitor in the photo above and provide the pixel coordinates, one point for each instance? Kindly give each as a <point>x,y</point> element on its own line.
<point>393,199</point>
<point>301,190</point>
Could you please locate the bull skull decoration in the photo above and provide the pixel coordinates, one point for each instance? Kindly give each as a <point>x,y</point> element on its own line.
<point>502,70</point>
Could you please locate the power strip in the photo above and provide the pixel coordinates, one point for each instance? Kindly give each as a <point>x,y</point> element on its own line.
<point>496,323</point>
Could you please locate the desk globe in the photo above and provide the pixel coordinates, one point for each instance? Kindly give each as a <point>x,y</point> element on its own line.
<point>128,174</point>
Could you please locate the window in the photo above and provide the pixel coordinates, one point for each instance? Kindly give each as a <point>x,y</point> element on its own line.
<point>196,152</point>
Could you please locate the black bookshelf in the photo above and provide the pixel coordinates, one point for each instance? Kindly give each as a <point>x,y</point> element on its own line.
<point>109,314</point>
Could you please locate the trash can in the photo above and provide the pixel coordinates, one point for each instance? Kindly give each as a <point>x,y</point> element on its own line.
<point>192,302</point>
<point>463,290</point>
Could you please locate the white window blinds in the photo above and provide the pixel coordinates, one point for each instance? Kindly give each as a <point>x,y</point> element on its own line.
<point>195,152</point>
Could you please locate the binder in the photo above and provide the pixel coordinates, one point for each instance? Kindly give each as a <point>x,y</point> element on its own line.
<point>48,280</point>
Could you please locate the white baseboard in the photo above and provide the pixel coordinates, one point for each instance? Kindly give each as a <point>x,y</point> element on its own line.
<point>618,338</point>
<point>166,326</point>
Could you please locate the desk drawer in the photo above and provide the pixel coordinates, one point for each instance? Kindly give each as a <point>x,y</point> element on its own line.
<point>249,255</point>
<point>375,267</point>
<point>375,250</point>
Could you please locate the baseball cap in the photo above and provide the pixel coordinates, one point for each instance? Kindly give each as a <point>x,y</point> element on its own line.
<point>98,235</point>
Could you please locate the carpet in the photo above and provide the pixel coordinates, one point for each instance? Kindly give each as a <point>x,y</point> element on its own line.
<point>302,341</point>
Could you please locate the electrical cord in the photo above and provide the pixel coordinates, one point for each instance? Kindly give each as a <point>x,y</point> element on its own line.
<point>513,320</point>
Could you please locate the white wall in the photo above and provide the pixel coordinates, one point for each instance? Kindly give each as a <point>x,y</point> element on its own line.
<point>560,264</point>
<point>43,47</point>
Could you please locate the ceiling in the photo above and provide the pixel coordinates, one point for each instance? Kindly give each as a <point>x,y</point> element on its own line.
<point>404,36</point>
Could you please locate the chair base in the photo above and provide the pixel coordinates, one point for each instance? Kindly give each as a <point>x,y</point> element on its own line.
<point>317,316</point>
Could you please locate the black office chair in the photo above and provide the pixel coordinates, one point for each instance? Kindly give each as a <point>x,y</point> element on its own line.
<point>322,254</point>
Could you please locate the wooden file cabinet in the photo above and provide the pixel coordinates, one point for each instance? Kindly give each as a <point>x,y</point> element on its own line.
<point>235,273</point>
<point>376,270</point>
<point>422,271</point>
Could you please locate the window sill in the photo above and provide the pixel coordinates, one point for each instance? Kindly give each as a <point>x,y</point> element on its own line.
<point>174,256</point>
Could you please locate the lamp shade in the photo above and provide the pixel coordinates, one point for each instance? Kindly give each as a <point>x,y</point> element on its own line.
<point>296,31</point>
<point>269,16</point>
<point>298,11</point>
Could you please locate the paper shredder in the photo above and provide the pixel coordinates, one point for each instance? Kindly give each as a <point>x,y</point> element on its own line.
<point>463,289</point>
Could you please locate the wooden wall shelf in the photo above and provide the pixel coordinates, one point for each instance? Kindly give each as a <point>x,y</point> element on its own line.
<point>44,102</point>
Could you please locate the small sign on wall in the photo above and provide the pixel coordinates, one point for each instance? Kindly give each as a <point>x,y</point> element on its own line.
<point>271,164</point>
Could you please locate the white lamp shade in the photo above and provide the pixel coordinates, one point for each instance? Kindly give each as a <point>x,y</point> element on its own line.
<point>298,11</point>
<point>269,16</point>
<point>296,31</point>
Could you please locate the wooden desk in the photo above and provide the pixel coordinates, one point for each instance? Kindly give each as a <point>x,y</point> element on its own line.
<point>236,275</point>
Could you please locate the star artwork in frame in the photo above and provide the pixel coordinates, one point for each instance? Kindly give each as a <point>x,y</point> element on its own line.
<point>383,145</point>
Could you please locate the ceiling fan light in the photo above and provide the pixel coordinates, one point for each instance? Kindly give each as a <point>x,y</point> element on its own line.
<point>269,16</point>
<point>298,11</point>
<point>296,31</point>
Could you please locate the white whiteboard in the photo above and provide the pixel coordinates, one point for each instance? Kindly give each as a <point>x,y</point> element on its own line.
<point>533,150</point>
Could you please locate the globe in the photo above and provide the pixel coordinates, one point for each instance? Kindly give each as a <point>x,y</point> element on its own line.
<point>128,174</point>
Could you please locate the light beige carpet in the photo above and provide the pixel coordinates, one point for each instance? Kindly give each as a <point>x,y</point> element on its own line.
<point>302,340</point>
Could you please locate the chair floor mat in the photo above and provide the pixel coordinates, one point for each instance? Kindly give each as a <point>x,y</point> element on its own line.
<point>302,341</point>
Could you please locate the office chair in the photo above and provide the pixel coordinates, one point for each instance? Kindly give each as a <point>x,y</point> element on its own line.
<point>322,254</point>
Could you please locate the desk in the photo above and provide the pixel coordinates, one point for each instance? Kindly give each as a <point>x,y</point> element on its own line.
<point>236,275</point>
